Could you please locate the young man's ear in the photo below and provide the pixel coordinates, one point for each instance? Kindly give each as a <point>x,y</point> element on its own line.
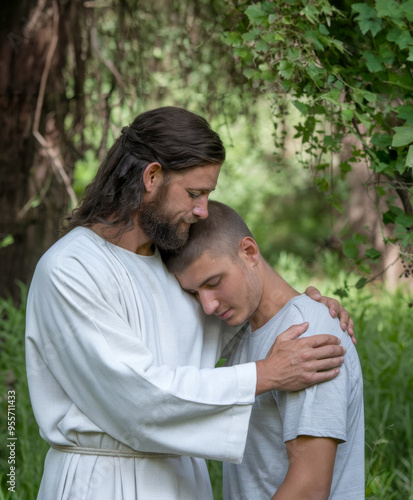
<point>249,250</point>
<point>153,176</point>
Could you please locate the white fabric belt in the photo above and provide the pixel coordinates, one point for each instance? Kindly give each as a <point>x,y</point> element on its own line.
<point>112,453</point>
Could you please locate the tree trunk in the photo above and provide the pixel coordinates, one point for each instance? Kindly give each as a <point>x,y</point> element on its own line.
<point>363,214</point>
<point>35,165</point>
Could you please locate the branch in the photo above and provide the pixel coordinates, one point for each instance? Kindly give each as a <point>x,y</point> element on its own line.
<point>109,64</point>
<point>55,160</point>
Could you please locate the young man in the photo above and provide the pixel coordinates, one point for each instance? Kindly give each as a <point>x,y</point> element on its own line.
<point>120,361</point>
<point>301,445</point>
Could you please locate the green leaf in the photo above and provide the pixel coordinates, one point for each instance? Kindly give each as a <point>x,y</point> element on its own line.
<point>286,69</point>
<point>401,37</point>
<point>313,36</point>
<point>409,158</point>
<point>400,164</point>
<point>322,184</point>
<point>373,254</point>
<point>364,118</point>
<point>255,14</point>
<point>381,167</point>
<point>389,217</point>
<point>251,35</point>
<point>381,140</point>
<point>350,249</point>
<point>293,54</point>
<point>249,73</point>
<point>7,241</point>
<point>312,13</point>
<point>373,63</point>
<point>367,18</point>
<point>361,283</point>
<point>407,8</point>
<point>403,136</point>
<point>359,238</point>
<point>347,114</point>
<point>386,52</point>
<point>332,96</point>
<point>405,220</point>
<point>302,107</point>
<point>341,292</point>
<point>262,46</point>
<point>316,74</point>
<point>388,8</point>
<point>323,29</point>
<point>345,167</point>
<point>369,96</point>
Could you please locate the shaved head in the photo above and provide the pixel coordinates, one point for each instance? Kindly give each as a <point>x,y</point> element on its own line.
<point>220,233</point>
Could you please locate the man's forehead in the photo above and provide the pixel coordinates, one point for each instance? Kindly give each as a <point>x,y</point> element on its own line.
<point>198,178</point>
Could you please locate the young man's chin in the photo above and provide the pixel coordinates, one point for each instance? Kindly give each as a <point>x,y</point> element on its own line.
<point>234,321</point>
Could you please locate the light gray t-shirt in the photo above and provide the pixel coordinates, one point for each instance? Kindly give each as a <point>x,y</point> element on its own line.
<point>331,409</point>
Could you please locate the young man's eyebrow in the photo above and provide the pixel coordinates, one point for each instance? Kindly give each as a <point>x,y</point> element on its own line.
<point>191,290</point>
<point>208,279</point>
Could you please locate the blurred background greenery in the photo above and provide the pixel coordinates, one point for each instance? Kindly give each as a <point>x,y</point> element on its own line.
<point>313,220</point>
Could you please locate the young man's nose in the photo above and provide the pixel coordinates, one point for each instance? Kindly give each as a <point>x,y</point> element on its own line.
<point>209,303</point>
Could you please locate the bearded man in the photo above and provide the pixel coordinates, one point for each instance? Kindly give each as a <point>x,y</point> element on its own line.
<point>120,360</point>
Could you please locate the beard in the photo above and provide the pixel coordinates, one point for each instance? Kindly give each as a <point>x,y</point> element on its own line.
<point>159,226</point>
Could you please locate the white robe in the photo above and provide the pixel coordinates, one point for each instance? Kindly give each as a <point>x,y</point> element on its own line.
<point>119,358</point>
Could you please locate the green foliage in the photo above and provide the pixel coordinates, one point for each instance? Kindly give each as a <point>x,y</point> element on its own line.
<point>276,199</point>
<point>140,55</point>
<point>30,448</point>
<point>6,241</point>
<point>348,71</point>
<point>386,350</point>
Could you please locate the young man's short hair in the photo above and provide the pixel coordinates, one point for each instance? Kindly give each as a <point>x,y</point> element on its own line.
<point>221,233</point>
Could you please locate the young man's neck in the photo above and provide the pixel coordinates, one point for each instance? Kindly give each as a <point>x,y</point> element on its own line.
<point>276,293</point>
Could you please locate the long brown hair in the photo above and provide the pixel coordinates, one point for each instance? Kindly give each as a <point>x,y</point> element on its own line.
<point>174,137</point>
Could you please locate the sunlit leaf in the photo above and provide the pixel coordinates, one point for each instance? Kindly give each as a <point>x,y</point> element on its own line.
<point>403,136</point>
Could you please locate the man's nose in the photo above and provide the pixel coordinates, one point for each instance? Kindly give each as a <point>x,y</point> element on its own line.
<point>201,207</point>
<point>208,302</point>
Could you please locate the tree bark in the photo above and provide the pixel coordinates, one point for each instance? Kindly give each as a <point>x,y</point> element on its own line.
<point>35,163</point>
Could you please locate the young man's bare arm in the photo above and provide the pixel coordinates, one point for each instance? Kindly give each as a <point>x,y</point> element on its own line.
<point>310,471</point>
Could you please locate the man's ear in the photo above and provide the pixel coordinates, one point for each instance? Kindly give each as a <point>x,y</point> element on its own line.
<point>153,176</point>
<point>249,250</point>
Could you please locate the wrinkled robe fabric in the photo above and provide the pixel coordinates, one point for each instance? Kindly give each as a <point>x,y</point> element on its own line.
<point>120,358</point>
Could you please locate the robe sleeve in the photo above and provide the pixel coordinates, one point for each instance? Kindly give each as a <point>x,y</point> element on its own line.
<point>74,334</point>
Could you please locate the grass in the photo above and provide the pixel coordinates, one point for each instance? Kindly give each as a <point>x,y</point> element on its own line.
<point>30,448</point>
<point>384,331</point>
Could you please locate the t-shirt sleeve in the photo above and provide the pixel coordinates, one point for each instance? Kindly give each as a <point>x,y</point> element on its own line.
<point>320,410</point>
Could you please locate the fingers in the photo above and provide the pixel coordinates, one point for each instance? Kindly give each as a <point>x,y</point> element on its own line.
<point>313,293</point>
<point>323,376</point>
<point>346,323</point>
<point>293,332</point>
<point>335,310</point>
<point>350,330</point>
<point>334,307</point>
<point>328,357</point>
<point>317,341</point>
<point>320,354</point>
